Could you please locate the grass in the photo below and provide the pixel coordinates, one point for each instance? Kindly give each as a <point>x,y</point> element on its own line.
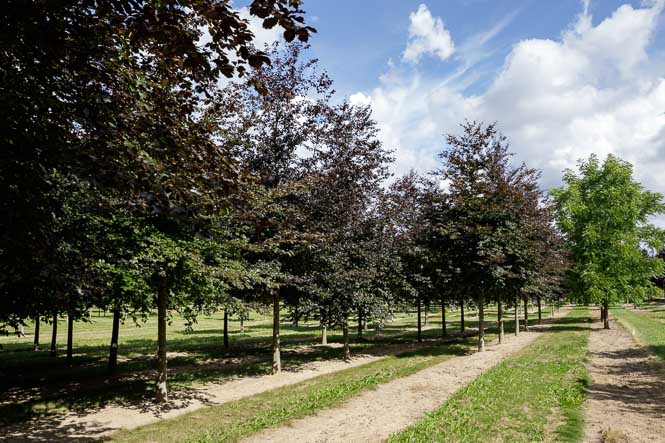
<point>647,326</point>
<point>33,383</point>
<point>234,420</point>
<point>534,395</point>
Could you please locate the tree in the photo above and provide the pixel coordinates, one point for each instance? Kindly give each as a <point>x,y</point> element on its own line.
<point>604,215</point>
<point>484,222</point>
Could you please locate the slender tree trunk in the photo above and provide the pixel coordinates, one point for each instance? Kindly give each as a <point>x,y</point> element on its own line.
<point>602,314</point>
<point>540,313</point>
<point>462,328</point>
<point>276,355</point>
<point>426,314</point>
<point>500,321</point>
<point>345,332</point>
<point>420,326</point>
<point>481,323</point>
<point>161,392</point>
<point>360,324</point>
<point>517,315</point>
<point>54,337</point>
<point>365,327</point>
<point>526,314</point>
<point>606,323</point>
<point>443,318</point>
<point>226,329</point>
<point>552,313</point>
<point>70,337</point>
<point>35,343</point>
<point>324,334</point>
<point>113,352</point>
<point>242,324</point>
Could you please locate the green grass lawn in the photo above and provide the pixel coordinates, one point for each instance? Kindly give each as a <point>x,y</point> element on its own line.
<point>534,395</point>
<point>233,420</point>
<point>34,383</point>
<point>647,326</point>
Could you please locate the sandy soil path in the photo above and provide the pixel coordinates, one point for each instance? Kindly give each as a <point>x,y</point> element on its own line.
<point>74,427</point>
<point>373,415</point>
<point>626,401</point>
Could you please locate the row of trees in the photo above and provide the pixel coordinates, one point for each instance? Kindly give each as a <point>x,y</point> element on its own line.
<point>135,181</point>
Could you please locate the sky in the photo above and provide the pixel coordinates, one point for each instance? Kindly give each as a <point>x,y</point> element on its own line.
<point>562,78</point>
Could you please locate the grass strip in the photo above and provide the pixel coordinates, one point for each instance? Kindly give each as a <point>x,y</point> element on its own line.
<point>233,420</point>
<point>646,327</point>
<point>535,395</point>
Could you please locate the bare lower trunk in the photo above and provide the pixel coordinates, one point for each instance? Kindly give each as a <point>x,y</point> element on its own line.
<point>54,337</point>
<point>526,314</point>
<point>443,318</point>
<point>517,316</point>
<point>226,329</point>
<point>552,313</point>
<point>360,324</point>
<point>540,312</point>
<point>345,332</point>
<point>113,352</point>
<point>324,335</point>
<point>242,324</point>
<point>161,393</point>
<point>35,343</point>
<point>420,326</point>
<point>500,321</point>
<point>276,355</point>
<point>70,337</point>
<point>606,323</point>
<point>462,316</point>
<point>481,324</point>
<point>602,314</point>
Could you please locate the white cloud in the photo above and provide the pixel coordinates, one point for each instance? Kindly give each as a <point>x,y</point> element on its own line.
<point>427,35</point>
<point>593,90</point>
<point>262,36</point>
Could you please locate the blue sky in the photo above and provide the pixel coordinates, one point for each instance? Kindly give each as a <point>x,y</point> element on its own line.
<point>563,78</point>
<point>356,39</point>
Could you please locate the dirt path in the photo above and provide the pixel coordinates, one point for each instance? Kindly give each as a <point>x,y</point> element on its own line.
<point>373,415</point>
<point>626,401</point>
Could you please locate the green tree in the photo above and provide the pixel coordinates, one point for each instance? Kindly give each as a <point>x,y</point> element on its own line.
<point>605,215</point>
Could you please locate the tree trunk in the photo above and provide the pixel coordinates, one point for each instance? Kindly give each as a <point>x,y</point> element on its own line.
<point>606,323</point>
<point>161,393</point>
<point>360,324</point>
<point>420,326</point>
<point>481,324</point>
<point>35,343</point>
<point>517,315</point>
<point>602,314</point>
<point>462,316</point>
<point>324,335</point>
<point>500,321</point>
<point>526,314</point>
<point>552,313</point>
<point>276,355</point>
<point>113,352</point>
<point>54,337</point>
<point>226,329</point>
<point>426,314</point>
<point>242,324</point>
<point>345,332</point>
<point>540,313</point>
<point>443,318</point>
<point>70,337</point>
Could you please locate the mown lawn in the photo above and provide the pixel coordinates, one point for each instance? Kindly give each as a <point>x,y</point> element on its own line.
<point>234,420</point>
<point>647,326</point>
<point>34,383</point>
<point>534,395</point>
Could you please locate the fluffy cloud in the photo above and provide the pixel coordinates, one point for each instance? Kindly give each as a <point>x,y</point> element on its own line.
<point>427,35</point>
<point>262,36</point>
<point>593,90</point>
